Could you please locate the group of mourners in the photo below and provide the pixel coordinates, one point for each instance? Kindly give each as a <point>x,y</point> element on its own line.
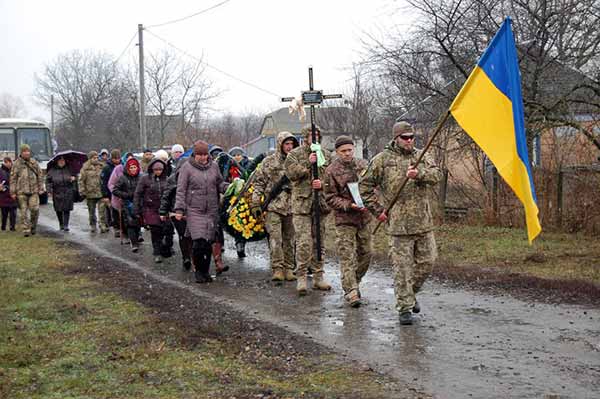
<point>177,193</point>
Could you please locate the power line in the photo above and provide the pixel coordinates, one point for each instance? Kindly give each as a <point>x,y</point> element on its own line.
<point>190,16</point>
<point>200,60</point>
<point>126,48</point>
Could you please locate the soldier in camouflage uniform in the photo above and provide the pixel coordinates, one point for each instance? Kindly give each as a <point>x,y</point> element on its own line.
<point>278,219</point>
<point>353,238</point>
<point>90,186</point>
<point>26,184</point>
<point>298,168</point>
<point>409,223</point>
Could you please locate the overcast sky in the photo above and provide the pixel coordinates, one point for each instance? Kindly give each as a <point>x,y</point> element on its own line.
<point>269,43</point>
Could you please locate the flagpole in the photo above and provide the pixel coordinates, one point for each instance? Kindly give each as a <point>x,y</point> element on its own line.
<point>438,129</point>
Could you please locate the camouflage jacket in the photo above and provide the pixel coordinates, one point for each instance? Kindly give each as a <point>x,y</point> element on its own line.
<point>412,212</point>
<point>267,175</point>
<point>26,177</point>
<point>299,170</point>
<point>338,197</point>
<point>90,180</point>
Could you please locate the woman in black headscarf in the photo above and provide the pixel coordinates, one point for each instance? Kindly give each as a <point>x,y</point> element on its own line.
<point>60,183</point>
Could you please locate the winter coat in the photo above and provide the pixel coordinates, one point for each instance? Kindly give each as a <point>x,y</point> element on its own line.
<point>116,174</point>
<point>105,177</point>
<point>60,185</point>
<point>270,173</point>
<point>6,200</point>
<point>412,212</point>
<point>299,170</point>
<point>26,177</point>
<point>90,183</point>
<point>167,200</point>
<point>125,190</point>
<point>338,197</point>
<point>197,197</point>
<point>146,201</point>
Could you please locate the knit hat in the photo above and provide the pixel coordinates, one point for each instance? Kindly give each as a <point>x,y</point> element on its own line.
<point>162,155</point>
<point>214,149</point>
<point>147,150</point>
<point>401,128</point>
<point>200,147</point>
<point>115,154</point>
<point>92,154</point>
<point>342,140</point>
<point>104,151</point>
<point>236,150</point>
<point>132,161</point>
<point>24,147</point>
<point>177,148</point>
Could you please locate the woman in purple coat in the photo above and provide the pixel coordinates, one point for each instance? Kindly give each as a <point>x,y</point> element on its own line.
<point>8,205</point>
<point>197,199</point>
<point>146,204</point>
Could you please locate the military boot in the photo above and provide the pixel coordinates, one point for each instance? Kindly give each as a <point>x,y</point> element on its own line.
<point>319,282</point>
<point>406,318</point>
<point>289,275</point>
<point>278,275</point>
<point>353,299</point>
<point>301,285</point>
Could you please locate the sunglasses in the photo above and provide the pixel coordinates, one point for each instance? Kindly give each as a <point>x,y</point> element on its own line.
<point>407,137</point>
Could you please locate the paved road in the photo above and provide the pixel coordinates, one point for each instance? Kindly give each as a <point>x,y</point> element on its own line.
<point>464,344</point>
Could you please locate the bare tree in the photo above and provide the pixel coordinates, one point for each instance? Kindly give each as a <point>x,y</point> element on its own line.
<point>11,106</point>
<point>82,84</point>
<point>558,47</point>
<point>176,93</point>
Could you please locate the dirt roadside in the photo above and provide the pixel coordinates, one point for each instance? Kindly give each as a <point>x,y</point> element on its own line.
<point>266,346</point>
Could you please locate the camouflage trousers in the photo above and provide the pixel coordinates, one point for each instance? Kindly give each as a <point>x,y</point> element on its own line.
<point>305,245</point>
<point>281,241</point>
<point>412,260</point>
<point>354,250</point>
<point>29,210</point>
<point>92,204</point>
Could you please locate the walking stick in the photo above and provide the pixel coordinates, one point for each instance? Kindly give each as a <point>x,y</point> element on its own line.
<point>438,129</point>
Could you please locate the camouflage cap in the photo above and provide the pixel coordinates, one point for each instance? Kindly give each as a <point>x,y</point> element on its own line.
<point>24,147</point>
<point>307,130</point>
<point>401,127</point>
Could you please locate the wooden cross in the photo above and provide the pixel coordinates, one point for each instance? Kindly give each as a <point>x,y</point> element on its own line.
<point>311,98</point>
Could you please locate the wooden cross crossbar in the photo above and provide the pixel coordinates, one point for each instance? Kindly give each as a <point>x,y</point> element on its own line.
<point>312,97</point>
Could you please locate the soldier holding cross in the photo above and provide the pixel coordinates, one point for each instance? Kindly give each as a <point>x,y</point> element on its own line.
<point>298,168</point>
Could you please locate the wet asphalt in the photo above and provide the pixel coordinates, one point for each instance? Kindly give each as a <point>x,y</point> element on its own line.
<point>463,344</point>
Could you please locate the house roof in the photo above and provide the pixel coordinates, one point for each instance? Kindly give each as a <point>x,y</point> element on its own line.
<point>332,120</point>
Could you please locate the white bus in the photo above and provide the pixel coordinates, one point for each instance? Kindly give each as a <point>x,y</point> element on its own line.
<point>15,132</point>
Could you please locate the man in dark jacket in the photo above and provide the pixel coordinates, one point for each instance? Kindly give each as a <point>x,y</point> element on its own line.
<point>112,213</point>
<point>7,204</point>
<point>167,211</point>
<point>353,238</point>
<point>146,204</point>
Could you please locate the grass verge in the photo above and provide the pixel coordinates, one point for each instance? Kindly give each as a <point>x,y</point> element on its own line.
<point>64,336</point>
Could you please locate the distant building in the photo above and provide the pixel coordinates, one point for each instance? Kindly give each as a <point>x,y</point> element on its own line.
<point>334,121</point>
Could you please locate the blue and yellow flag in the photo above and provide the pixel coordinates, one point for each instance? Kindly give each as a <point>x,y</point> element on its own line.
<point>489,108</point>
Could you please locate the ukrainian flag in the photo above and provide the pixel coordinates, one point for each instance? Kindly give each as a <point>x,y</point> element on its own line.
<point>489,108</point>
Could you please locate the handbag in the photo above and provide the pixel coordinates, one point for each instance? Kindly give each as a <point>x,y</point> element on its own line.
<point>77,197</point>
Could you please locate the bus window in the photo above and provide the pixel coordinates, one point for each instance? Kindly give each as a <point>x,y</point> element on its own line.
<point>38,141</point>
<point>7,140</point>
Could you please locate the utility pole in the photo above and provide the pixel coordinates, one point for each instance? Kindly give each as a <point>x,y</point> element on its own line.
<point>143,138</point>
